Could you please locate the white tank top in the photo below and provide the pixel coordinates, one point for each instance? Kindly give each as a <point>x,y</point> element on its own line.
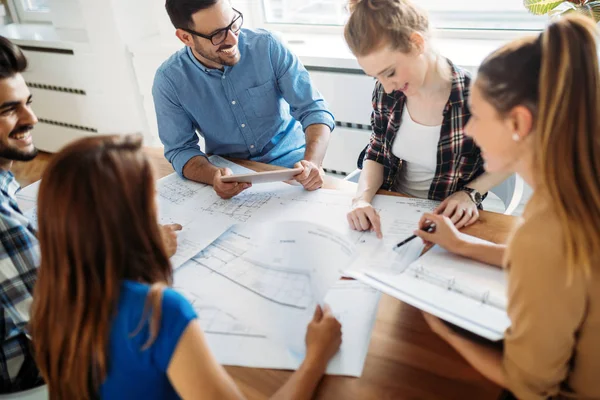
<point>416,145</point>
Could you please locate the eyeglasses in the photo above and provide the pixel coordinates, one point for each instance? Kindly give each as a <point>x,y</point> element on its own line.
<point>220,36</point>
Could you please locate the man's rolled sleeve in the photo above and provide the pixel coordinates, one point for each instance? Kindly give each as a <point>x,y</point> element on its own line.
<point>324,118</point>
<point>175,128</point>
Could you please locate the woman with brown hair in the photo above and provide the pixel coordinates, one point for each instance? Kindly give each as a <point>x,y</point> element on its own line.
<point>104,321</point>
<point>420,108</point>
<point>536,112</point>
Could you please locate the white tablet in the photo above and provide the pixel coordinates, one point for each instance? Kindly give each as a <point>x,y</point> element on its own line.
<point>263,177</point>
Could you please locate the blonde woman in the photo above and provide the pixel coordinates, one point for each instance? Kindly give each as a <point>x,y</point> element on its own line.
<point>420,108</point>
<point>536,111</point>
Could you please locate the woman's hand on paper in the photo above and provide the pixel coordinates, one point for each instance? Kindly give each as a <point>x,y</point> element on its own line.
<point>445,235</point>
<point>323,337</point>
<point>364,217</point>
<point>169,235</point>
<point>459,207</point>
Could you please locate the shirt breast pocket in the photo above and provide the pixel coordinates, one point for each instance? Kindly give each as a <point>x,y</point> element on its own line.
<point>264,99</point>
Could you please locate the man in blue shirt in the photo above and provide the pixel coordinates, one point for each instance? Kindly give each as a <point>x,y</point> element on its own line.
<point>243,91</point>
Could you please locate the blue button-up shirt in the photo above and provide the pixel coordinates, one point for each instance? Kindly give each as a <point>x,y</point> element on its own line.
<point>257,109</point>
<point>19,260</point>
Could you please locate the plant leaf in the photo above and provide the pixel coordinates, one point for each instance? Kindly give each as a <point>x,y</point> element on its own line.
<point>541,7</point>
<point>595,8</point>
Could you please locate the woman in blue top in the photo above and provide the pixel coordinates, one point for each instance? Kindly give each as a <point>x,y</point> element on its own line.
<point>104,321</point>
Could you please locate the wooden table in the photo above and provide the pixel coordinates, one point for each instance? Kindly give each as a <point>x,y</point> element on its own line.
<point>405,359</point>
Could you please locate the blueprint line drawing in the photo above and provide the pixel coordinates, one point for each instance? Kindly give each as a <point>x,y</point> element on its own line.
<point>177,191</point>
<point>214,321</point>
<point>286,287</point>
<point>271,276</point>
<point>240,208</point>
<point>233,342</point>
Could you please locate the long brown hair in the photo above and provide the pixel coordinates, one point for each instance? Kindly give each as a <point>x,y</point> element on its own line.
<point>556,77</point>
<point>97,227</point>
<point>374,22</point>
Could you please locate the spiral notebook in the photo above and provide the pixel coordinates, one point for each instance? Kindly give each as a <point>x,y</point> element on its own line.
<point>464,292</point>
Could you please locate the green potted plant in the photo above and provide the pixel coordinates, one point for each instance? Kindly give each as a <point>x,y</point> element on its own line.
<point>554,7</point>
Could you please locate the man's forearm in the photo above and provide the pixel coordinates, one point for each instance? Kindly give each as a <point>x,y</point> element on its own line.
<point>317,140</point>
<point>199,169</point>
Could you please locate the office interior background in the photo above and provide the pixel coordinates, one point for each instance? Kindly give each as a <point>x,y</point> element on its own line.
<point>92,63</point>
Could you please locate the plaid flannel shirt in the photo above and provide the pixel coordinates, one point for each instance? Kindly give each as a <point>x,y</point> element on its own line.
<point>19,259</point>
<point>458,158</point>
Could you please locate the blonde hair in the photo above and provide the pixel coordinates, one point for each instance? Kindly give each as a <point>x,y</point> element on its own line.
<point>556,76</point>
<point>375,22</point>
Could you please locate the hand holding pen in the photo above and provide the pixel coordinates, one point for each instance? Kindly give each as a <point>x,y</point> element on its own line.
<point>428,228</point>
<point>445,233</point>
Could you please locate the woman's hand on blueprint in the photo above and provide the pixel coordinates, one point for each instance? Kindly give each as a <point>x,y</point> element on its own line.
<point>169,235</point>
<point>323,337</point>
<point>445,234</point>
<point>364,217</point>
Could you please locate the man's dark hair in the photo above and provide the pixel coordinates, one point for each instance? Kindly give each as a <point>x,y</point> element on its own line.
<point>181,11</point>
<point>12,59</point>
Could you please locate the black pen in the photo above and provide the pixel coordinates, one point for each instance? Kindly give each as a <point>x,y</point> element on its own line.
<point>429,229</point>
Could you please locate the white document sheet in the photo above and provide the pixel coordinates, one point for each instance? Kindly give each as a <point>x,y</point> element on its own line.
<point>399,218</point>
<point>234,343</point>
<point>27,201</point>
<point>467,293</point>
<point>182,201</point>
<point>27,197</point>
<point>272,276</point>
<point>199,230</point>
<point>203,214</point>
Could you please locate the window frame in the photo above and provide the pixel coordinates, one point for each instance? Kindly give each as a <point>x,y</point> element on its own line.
<point>522,24</point>
<point>22,15</point>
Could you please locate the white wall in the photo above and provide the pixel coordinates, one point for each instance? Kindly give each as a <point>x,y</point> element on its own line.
<point>82,77</point>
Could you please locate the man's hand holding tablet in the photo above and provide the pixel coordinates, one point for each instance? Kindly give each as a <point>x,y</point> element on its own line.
<point>228,185</point>
<point>312,175</point>
<point>227,190</point>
